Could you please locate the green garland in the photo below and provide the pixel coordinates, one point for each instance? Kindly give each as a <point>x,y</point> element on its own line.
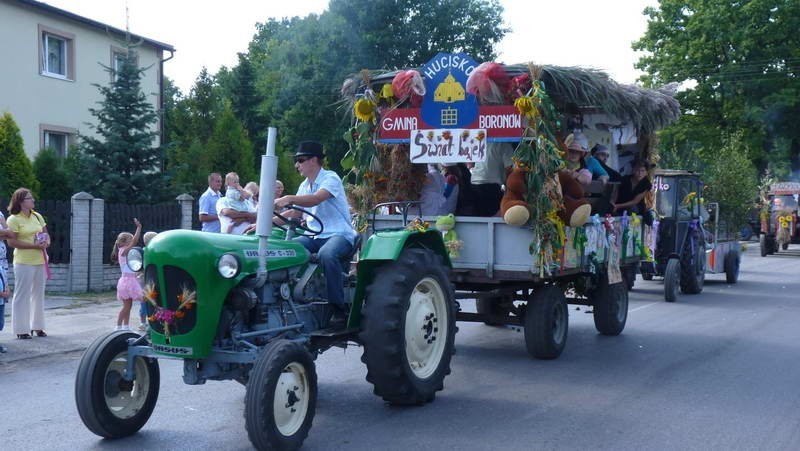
<point>539,155</point>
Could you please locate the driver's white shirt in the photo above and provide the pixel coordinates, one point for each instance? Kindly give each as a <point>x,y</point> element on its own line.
<point>334,212</point>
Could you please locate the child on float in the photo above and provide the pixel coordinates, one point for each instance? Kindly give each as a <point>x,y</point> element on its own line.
<point>235,211</point>
<point>128,288</point>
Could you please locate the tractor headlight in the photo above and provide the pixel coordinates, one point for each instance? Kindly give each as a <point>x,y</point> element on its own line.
<point>228,266</point>
<point>135,259</point>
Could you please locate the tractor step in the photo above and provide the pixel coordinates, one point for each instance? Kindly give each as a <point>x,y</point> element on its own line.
<point>335,332</point>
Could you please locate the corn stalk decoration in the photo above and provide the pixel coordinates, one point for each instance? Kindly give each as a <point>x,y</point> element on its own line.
<point>539,156</point>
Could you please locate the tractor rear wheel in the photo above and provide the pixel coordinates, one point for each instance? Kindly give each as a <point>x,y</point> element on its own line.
<point>109,405</point>
<point>546,322</point>
<point>408,328</point>
<point>281,397</point>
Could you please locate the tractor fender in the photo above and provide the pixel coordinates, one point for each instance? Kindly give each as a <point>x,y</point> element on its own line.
<point>385,246</point>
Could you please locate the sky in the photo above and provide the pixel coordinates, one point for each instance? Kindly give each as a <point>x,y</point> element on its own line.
<point>587,33</point>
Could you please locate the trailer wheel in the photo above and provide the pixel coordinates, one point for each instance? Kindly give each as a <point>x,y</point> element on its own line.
<point>281,397</point>
<point>762,243</point>
<point>546,322</point>
<point>732,260</point>
<point>693,272</point>
<point>610,306</point>
<point>110,406</point>
<point>672,279</point>
<point>408,328</point>
<point>647,276</point>
<point>491,307</point>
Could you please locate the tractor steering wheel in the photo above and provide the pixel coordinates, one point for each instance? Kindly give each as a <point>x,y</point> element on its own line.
<point>297,223</point>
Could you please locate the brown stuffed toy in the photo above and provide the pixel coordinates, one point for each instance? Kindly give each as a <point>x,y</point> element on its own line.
<point>515,210</point>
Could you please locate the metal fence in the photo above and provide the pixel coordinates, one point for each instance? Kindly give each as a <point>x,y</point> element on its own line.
<point>57,214</point>
<point>119,218</point>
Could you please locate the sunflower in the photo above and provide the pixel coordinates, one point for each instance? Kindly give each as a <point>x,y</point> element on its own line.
<point>364,109</point>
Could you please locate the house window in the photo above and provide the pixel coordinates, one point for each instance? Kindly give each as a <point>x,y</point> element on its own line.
<point>57,53</point>
<point>57,138</point>
<point>57,142</point>
<point>118,56</point>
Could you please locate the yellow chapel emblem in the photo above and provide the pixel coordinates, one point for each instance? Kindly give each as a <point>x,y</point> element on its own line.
<point>449,91</point>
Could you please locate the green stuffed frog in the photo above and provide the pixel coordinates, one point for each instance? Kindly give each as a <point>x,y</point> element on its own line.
<point>446,224</point>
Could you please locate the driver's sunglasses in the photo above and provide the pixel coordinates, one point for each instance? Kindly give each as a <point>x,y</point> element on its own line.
<point>301,159</point>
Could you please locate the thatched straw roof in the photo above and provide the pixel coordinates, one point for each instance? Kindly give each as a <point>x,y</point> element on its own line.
<point>647,109</point>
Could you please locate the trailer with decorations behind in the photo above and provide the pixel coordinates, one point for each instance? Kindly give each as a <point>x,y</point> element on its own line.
<point>451,111</point>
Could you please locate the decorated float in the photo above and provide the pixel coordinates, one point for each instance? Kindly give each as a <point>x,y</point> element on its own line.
<point>551,243</point>
<point>779,217</point>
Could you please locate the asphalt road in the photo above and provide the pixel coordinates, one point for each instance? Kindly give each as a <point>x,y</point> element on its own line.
<point>718,370</point>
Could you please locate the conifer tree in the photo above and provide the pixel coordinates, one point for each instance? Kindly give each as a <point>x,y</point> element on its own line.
<point>229,149</point>
<point>15,167</point>
<point>124,162</point>
<point>49,170</point>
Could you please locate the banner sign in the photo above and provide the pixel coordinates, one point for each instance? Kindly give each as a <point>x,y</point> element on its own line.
<point>783,188</point>
<point>448,145</point>
<point>502,123</point>
<point>448,105</point>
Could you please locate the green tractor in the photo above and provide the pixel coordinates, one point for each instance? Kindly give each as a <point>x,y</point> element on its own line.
<point>252,309</point>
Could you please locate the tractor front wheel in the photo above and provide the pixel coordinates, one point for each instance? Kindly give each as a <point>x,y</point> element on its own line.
<point>762,243</point>
<point>408,328</point>
<point>109,405</point>
<point>694,271</point>
<point>672,279</point>
<point>281,397</point>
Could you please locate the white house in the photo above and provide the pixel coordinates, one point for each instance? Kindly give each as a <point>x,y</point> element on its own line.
<point>50,60</point>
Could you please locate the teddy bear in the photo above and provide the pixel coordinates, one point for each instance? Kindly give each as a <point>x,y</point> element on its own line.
<point>446,224</point>
<point>515,210</point>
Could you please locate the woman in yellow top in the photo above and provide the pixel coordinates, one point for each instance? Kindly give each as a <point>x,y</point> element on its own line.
<point>29,241</point>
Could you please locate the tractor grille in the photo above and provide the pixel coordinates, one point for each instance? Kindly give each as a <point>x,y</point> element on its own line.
<point>178,282</point>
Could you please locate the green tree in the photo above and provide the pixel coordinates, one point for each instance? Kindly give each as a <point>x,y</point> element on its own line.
<point>49,170</point>
<point>123,161</point>
<point>245,100</point>
<point>407,33</point>
<point>203,104</point>
<point>229,149</point>
<point>731,180</point>
<point>15,167</point>
<point>742,60</point>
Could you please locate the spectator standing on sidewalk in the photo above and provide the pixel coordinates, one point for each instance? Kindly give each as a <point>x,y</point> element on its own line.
<point>5,291</point>
<point>128,288</point>
<point>208,204</point>
<point>30,240</point>
<point>143,304</point>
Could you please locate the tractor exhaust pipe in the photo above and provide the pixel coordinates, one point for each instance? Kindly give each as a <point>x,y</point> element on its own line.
<point>269,173</point>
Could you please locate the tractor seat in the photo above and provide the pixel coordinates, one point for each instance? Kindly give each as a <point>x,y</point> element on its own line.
<point>347,259</point>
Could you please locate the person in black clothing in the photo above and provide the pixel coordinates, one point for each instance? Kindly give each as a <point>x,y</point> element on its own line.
<point>632,190</point>
<point>601,154</point>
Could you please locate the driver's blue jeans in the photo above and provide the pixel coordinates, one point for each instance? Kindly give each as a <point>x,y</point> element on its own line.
<point>330,251</point>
